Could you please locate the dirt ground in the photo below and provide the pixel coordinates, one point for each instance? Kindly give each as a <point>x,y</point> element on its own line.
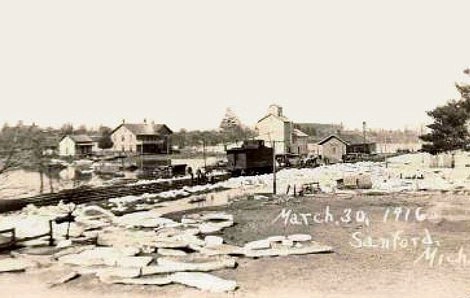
<point>347,272</point>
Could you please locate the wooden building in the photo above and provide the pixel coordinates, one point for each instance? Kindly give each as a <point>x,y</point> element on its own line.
<point>299,142</point>
<point>144,138</point>
<point>275,127</point>
<point>336,145</point>
<point>333,148</point>
<point>75,145</point>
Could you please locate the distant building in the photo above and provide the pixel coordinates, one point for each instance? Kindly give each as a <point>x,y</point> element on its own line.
<point>314,148</point>
<point>317,132</point>
<point>145,138</point>
<point>336,145</point>
<point>385,147</point>
<point>356,144</point>
<point>299,142</point>
<point>275,127</point>
<point>333,148</point>
<point>366,148</point>
<point>50,146</point>
<point>96,141</point>
<point>75,145</point>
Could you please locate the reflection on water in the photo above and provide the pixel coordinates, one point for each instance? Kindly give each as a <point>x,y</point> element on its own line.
<point>22,183</point>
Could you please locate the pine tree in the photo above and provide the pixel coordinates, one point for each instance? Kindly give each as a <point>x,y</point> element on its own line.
<point>449,131</point>
<point>230,121</point>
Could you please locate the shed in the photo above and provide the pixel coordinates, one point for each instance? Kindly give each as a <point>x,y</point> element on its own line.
<point>333,148</point>
<point>75,145</point>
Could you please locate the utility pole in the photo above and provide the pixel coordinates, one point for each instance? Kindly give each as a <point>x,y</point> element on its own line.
<point>274,167</point>
<point>167,144</point>
<point>142,155</point>
<point>386,153</point>
<point>204,153</point>
<point>364,135</point>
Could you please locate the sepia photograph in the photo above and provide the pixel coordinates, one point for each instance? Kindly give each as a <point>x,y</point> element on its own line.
<point>234,149</point>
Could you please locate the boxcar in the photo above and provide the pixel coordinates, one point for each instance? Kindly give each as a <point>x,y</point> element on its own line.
<point>252,158</point>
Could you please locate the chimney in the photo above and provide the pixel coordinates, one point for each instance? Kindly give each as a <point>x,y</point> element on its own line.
<point>145,121</point>
<point>123,121</point>
<point>275,110</point>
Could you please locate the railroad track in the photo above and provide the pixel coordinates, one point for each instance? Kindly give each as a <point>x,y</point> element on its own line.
<point>95,194</point>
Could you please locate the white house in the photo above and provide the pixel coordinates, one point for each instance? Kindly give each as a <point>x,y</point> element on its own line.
<point>275,127</point>
<point>145,138</point>
<point>75,145</point>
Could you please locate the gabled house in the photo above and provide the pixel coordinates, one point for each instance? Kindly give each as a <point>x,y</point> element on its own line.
<point>75,145</point>
<point>336,145</point>
<point>333,148</point>
<point>277,128</point>
<point>144,138</point>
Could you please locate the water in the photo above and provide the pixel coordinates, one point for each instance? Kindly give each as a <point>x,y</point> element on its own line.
<point>22,183</point>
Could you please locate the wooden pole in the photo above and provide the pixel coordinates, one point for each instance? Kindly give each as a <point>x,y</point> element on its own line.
<point>204,153</point>
<point>142,156</point>
<point>274,167</point>
<point>51,239</point>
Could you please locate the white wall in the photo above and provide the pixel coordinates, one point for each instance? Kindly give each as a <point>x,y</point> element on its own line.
<point>67,147</point>
<point>314,148</point>
<point>394,147</point>
<point>272,128</point>
<point>124,140</point>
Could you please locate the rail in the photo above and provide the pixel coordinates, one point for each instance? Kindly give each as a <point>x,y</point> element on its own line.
<point>84,195</point>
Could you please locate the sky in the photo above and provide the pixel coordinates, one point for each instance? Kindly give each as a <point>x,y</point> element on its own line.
<point>184,62</point>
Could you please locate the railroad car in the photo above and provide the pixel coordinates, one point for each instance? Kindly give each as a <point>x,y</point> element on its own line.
<point>252,158</point>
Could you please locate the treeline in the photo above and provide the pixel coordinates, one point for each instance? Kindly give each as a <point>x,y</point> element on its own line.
<point>184,138</point>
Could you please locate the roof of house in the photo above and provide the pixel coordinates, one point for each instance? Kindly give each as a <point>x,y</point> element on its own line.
<point>331,137</point>
<point>347,139</point>
<point>299,133</point>
<point>353,139</point>
<point>78,138</point>
<point>51,142</point>
<point>144,129</point>
<point>282,118</point>
<point>95,138</point>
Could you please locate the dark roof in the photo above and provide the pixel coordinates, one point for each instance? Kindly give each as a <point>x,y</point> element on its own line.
<point>78,138</point>
<point>145,129</point>
<point>81,138</point>
<point>51,142</point>
<point>354,139</point>
<point>95,138</point>
<point>331,137</point>
<point>348,139</point>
